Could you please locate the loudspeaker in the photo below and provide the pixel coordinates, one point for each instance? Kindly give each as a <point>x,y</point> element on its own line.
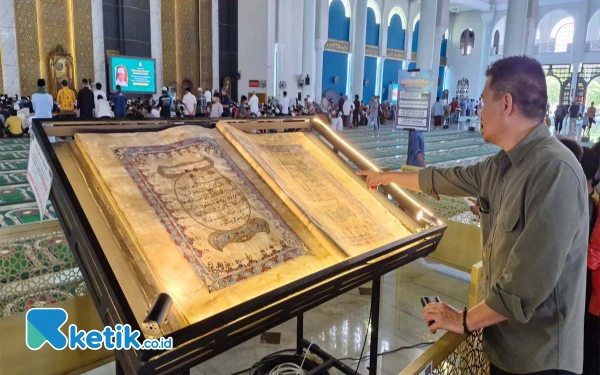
<point>307,80</point>
<point>299,96</point>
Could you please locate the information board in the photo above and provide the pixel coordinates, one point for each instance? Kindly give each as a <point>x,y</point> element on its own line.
<point>414,100</point>
<point>39,175</point>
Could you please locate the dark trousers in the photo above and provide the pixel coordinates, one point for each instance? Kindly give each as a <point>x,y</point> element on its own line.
<point>345,119</point>
<point>355,118</point>
<point>496,371</point>
<point>11,135</point>
<point>558,124</point>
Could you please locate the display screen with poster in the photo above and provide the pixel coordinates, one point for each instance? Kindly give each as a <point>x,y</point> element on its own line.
<point>414,100</point>
<point>133,74</point>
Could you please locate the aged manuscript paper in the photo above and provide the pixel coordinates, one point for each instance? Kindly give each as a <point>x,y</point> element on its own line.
<point>199,222</point>
<point>320,189</point>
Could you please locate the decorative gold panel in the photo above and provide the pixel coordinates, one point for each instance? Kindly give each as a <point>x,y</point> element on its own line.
<point>27,44</point>
<point>41,25</point>
<point>84,40</point>
<point>371,51</point>
<point>337,45</point>
<point>187,43</point>
<point>205,31</point>
<point>169,43</point>
<point>395,54</point>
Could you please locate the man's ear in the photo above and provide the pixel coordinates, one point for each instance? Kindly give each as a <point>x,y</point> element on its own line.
<point>508,103</point>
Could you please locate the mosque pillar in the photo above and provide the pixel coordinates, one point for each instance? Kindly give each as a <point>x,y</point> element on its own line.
<point>485,47</point>
<point>318,79</point>
<point>360,36</point>
<point>308,47</point>
<point>321,35</point>
<point>434,13</point>
<point>521,17</point>
<point>215,45</point>
<point>574,78</point>
<point>156,46</point>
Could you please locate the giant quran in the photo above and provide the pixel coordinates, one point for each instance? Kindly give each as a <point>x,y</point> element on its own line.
<point>216,217</point>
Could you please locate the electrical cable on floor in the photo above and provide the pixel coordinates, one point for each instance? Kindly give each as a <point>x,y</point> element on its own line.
<point>365,340</point>
<point>282,364</point>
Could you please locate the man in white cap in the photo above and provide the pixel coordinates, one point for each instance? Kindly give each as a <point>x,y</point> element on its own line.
<point>253,103</point>
<point>164,103</point>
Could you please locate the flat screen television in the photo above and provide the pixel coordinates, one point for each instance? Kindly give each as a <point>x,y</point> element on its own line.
<point>133,74</point>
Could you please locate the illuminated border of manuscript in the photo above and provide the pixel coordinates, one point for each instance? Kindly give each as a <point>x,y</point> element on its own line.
<point>197,220</point>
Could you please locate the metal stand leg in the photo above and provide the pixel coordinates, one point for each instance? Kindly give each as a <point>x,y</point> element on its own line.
<point>299,332</point>
<point>375,298</point>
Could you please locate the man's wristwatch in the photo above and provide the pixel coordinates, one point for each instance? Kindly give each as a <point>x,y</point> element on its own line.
<point>467,332</point>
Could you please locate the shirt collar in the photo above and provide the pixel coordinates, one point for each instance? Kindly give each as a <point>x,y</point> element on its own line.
<point>518,152</point>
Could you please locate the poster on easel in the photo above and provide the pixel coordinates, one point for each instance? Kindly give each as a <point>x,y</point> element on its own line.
<point>414,100</point>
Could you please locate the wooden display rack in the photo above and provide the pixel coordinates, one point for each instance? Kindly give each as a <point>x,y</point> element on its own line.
<point>89,236</point>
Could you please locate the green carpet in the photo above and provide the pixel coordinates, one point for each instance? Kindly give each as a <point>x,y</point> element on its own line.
<point>13,178</point>
<point>16,194</point>
<point>13,165</point>
<point>27,257</point>
<point>23,214</point>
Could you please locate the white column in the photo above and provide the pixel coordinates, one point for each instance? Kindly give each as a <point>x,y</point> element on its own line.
<point>320,47</point>
<point>156,40</point>
<point>308,46</point>
<point>578,46</point>
<point>360,36</point>
<point>271,41</point>
<point>430,38</point>
<point>98,42</point>
<point>8,43</point>
<point>576,68</point>
<point>521,17</point>
<point>321,35</point>
<point>486,46</point>
<point>215,44</point>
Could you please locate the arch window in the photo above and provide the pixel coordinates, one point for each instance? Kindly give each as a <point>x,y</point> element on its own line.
<point>467,41</point>
<point>397,11</point>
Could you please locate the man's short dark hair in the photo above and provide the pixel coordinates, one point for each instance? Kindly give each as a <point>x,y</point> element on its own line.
<point>524,79</point>
<point>590,163</point>
<point>573,146</point>
<point>64,83</point>
<point>187,89</point>
<point>13,112</point>
<point>85,81</point>
<point>118,87</point>
<point>437,98</point>
<point>244,98</point>
<point>98,86</point>
<point>285,93</point>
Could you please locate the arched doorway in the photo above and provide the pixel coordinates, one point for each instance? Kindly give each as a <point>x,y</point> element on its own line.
<point>593,92</point>
<point>554,92</point>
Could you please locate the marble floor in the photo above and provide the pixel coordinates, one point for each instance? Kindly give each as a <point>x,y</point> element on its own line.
<point>339,325</point>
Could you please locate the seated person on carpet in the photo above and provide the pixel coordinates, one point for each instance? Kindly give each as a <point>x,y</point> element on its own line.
<point>14,125</point>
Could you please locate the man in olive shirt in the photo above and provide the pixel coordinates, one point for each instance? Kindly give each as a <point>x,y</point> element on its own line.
<point>534,223</point>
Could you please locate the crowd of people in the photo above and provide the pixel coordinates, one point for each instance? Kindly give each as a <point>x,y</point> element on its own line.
<point>567,116</point>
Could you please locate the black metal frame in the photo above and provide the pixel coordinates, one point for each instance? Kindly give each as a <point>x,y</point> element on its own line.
<point>203,340</point>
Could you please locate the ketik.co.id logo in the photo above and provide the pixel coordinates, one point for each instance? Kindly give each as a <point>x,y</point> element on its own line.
<point>43,326</point>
